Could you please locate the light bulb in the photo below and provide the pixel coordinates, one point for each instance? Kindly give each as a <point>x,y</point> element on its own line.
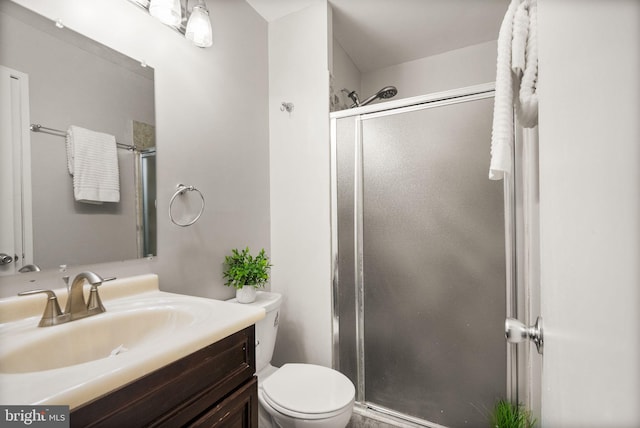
<point>167,11</point>
<point>143,3</point>
<point>199,27</point>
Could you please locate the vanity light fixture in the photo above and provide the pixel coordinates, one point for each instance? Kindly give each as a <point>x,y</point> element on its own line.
<point>143,3</point>
<point>167,11</point>
<point>199,26</point>
<point>194,24</point>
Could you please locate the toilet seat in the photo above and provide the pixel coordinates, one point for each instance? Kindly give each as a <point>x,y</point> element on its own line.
<point>308,391</point>
<point>297,415</point>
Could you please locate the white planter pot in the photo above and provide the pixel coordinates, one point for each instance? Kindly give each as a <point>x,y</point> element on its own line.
<point>246,294</point>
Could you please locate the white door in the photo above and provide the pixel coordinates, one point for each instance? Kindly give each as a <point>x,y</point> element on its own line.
<point>15,172</point>
<point>590,212</point>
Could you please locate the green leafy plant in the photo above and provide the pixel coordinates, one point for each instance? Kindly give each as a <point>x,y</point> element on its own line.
<point>242,269</point>
<point>509,415</point>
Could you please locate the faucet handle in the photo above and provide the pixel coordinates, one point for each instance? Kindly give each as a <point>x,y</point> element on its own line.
<point>95,303</point>
<point>52,314</point>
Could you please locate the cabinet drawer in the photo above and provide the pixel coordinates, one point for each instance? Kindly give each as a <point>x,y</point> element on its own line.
<point>239,410</point>
<point>179,391</point>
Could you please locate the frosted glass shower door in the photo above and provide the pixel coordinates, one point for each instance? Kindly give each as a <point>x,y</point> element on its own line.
<point>431,245</point>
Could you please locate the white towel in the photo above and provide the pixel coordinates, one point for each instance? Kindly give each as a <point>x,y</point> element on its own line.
<point>527,106</point>
<point>92,159</point>
<point>517,70</point>
<point>502,132</point>
<point>519,39</point>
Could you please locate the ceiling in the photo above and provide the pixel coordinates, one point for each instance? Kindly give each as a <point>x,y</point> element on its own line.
<point>380,33</point>
<point>275,9</point>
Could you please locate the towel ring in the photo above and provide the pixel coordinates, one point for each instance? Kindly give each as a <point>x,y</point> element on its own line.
<point>181,189</point>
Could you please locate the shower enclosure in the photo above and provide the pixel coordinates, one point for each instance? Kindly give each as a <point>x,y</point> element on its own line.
<point>422,266</point>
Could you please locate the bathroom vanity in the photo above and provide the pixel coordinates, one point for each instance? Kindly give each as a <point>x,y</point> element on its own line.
<point>151,359</point>
<point>211,387</point>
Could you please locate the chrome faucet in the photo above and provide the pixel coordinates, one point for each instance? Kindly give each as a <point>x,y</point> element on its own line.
<point>76,307</point>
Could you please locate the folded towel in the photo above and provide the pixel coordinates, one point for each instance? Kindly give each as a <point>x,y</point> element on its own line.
<point>516,71</point>
<point>519,39</point>
<point>502,132</point>
<point>527,106</point>
<point>92,158</point>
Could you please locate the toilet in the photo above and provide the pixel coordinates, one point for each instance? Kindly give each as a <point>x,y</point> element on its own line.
<point>296,395</point>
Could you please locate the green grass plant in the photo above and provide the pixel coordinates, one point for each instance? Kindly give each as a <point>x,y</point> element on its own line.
<point>509,415</point>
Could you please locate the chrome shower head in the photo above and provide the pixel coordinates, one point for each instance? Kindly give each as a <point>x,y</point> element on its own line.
<point>384,93</point>
<point>387,92</point>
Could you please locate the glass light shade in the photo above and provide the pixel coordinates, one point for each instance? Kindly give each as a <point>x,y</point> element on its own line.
<point>199,27</point>
<point>167,11</point>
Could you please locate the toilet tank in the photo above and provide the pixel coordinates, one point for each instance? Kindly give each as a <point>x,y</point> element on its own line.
<point>267,328</point>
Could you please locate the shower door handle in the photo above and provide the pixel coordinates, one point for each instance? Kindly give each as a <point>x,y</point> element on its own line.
<point>515,332</point>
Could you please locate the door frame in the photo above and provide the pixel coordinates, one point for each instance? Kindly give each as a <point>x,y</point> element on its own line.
<point>16,133</point>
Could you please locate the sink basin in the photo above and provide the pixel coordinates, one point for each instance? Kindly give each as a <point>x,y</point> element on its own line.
<point>142,330</point>
<point>101,336</point>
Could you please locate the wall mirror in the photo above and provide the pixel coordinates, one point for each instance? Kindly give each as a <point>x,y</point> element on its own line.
<point>56,78</point>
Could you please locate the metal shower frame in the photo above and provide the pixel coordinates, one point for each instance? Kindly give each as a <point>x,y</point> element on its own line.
<point>392,107</point>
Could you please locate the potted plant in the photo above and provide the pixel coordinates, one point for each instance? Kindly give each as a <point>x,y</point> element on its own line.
<point>509,415</point>
<point>246,273</point>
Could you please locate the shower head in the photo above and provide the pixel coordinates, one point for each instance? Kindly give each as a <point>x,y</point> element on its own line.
<point>387,92</point>
<point>384,93</point>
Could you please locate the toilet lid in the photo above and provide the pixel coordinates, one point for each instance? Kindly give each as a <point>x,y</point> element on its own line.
<point>308,389</point>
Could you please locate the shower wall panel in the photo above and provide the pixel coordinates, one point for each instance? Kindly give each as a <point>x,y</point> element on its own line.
<point>345,154</point>
<point>432,262</point>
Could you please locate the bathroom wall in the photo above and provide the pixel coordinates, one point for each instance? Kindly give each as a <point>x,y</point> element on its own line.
<point>436,73</point>
<point>212,132</point>
<point>345,75</point>
<point>63,92</point>
<point>299,162</point>
<point>467,66</point>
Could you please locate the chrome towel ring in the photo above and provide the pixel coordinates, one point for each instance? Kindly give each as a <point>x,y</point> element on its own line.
<point>181,190</point>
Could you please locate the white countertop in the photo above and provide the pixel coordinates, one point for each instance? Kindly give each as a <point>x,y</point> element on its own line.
<point>189,324</point>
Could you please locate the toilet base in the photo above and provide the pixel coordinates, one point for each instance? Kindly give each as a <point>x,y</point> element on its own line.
<point>264,418</point>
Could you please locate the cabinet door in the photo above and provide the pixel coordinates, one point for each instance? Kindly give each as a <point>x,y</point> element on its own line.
<point>239,410</point>
<point>179,392</point>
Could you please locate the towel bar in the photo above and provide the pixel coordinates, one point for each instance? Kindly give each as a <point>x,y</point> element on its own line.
<point>36,127</point>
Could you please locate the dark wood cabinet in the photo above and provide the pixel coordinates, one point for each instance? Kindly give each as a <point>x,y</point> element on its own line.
<point>213,387</point>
